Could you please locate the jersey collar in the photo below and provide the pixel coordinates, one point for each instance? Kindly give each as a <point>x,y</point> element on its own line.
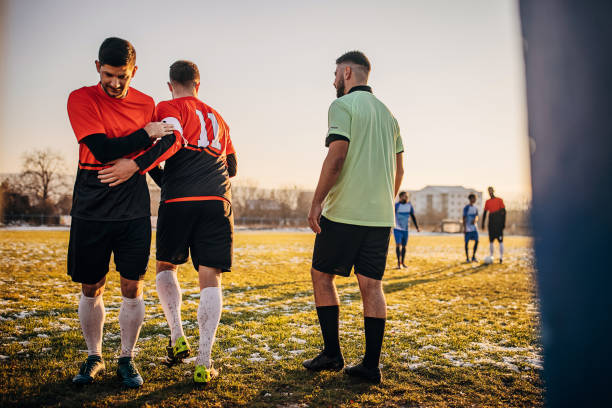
<point>365,88</point>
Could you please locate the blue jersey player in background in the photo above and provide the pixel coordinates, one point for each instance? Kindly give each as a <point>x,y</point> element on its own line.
<point>403,211</point>
<point>470,226</point>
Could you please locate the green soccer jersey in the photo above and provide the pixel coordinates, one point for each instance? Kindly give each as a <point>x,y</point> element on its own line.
<point>365,190</point>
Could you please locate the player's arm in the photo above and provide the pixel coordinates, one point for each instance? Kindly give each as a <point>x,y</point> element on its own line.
<point>123,169</point>
<point>465,218</point>
<point>399,171</point>
<point>484,217</point>
<point>414,221</point>
<point>332,166</point>
<point>503,217</point>
<point>232,164</point>
<point>106,149</point>
<point>89,129</point>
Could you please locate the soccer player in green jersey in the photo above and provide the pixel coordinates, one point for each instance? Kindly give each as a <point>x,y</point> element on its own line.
<point>352,212</point>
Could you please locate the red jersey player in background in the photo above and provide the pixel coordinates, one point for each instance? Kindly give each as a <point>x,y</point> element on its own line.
<point>195,213</point>
<point>110,120</point>
<point>497,222</point>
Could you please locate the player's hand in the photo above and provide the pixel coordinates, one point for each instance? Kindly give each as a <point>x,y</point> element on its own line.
<point>120,171</point>
<point>418,229</point>
<point>314,217</point>
<point>157,130</point>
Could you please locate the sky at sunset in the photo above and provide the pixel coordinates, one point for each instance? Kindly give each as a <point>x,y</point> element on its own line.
<point>450,71</point>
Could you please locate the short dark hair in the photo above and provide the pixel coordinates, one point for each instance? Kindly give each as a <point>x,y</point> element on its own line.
<point>402,193</point>
<point>472,195</point>
<point>185,73</point>
<point>117,52</point>
<point>356,57</point>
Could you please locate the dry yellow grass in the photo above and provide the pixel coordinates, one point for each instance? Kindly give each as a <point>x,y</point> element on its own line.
<point>457,334</point>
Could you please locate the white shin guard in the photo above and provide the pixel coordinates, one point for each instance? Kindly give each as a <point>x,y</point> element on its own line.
<point>169,293</point>
<point>131,316</point>
<point>209,314</point>
<point>91,315</point>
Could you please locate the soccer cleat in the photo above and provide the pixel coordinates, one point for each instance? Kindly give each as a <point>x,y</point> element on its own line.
<point>324,362</point>
<point>361,372</point>
<point>501,260</point>
<point>203,375</point>
<point>178,352</point>
<point>89,369</point>
<point>127,372</point>
<point>474,259</point>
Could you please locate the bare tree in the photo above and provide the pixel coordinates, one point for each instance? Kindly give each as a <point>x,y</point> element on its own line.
<point>41,174</point>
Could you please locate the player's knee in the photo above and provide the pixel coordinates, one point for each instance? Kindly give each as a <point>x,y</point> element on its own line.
<point>369,285</point>
<point>209,277</point>
<point>131,288</point>
<point>321,278</point>
<point>95,289</point>
<point>165,266</point>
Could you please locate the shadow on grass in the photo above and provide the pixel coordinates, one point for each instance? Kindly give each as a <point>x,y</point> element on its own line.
<point>401,285</point>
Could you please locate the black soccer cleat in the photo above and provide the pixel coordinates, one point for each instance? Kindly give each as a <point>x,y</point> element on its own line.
<point>361,372</point>
<point>127,372</point>
<point>89,369</point>
<point>324,362</point>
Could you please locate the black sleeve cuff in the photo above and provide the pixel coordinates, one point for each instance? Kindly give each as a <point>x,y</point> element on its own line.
<point>333,138</point>
<point>231,164</point>
<point>140,162</point>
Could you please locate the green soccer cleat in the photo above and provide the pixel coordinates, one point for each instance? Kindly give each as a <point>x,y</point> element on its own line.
<point>178,352</point>
<point>127,372</point>
<point>203,375</point>
<point>89,369</point>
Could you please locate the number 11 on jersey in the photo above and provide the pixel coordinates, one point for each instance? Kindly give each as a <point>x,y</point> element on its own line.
<point>203,140</point>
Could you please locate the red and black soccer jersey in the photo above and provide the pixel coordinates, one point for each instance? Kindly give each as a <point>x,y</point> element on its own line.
<point>195,154</point>
<point>494,206</point>
<point>92,111</point>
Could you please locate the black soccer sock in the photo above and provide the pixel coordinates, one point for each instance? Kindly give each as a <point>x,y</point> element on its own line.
<point>374,333</point>
<point>329,321</point>
<point>403,253</point>
<point>467,254</point>
<point>475,248</point>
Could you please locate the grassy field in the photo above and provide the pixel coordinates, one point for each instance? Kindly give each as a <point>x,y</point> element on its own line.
<point>457,334</point>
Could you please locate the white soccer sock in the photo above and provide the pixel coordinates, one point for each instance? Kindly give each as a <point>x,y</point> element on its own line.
<point>501,250</point>
<point>209,314</point>
<point>91,315</point>
<point>169,293</point>
<point>491,249</point>
<point>131,316</point>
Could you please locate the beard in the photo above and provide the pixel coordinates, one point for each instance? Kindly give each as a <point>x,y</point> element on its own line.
<point>340,89</point>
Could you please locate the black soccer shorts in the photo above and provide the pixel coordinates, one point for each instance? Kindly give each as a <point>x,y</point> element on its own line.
<point>205,228</point>
<point>92,242</point>
<point>340,247</point>
<point>496,232</point>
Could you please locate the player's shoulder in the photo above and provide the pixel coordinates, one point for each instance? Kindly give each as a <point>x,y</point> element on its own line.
<point>135,94</point>
<point>343,102</point>
<point>83,93</point>
<point>166,104</point>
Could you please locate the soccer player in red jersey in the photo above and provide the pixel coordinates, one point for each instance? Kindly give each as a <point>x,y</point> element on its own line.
<point>195,213</point>
<point>497,222</point>
<point>111,120</point>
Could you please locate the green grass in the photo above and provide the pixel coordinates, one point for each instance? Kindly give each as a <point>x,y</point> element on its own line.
<point>457,334</point>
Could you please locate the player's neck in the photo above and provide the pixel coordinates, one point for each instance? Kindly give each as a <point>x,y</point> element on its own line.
<point>350,85</point>
<point>183,94</point>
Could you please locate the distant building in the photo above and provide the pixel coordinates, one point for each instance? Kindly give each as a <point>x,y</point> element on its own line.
<point>445,201</point>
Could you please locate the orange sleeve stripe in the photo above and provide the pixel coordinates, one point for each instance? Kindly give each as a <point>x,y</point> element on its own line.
<point>197,198</point>
<point>176,146</point>
<point>86,167</point>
